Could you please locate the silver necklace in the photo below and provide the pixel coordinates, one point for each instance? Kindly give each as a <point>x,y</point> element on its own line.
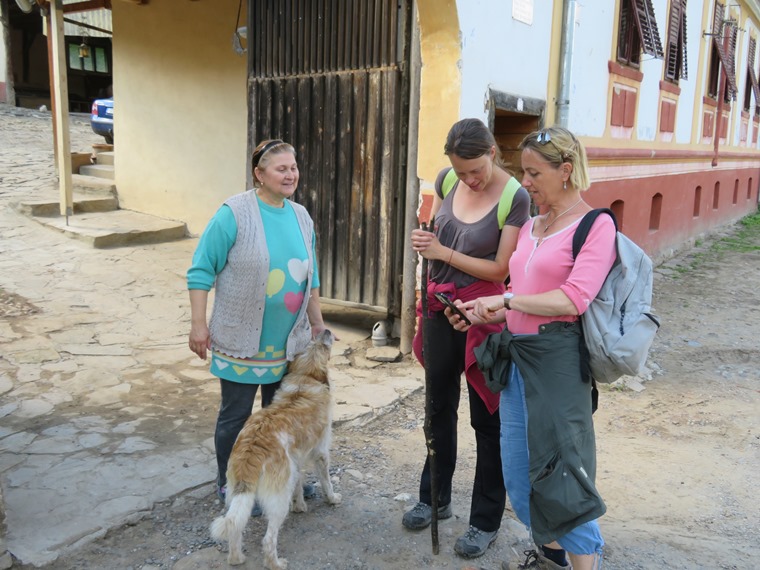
<point>547,226</point>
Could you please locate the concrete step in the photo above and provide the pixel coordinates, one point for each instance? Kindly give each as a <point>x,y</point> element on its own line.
<point>98,170</point>
<point>117,228</point>
<point>83,203</point>
<point>92,185</point>
<point>104,158</point>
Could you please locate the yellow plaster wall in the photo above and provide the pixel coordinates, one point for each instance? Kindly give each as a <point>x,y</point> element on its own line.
<point>180,108</point>
<point>440,83</point>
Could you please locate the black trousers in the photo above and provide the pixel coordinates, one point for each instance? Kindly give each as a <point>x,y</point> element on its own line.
<point>236,406</point>
<point>445,366</point>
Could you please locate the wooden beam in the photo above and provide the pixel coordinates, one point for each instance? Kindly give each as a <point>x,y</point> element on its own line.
<point>87,26</point>
<point>87,6</point>
<point>60,90</point>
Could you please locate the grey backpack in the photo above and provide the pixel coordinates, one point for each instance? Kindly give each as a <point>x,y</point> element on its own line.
<point>619,325</point>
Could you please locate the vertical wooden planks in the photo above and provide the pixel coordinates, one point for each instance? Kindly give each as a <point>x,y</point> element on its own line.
<point>324,76</point>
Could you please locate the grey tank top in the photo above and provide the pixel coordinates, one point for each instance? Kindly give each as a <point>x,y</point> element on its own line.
<point>478,239</point>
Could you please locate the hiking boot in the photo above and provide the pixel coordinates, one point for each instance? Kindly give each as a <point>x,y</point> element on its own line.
<point>309,491</point>
<point>534,560</point>
<point>474,542</point>
<point>421,516</point>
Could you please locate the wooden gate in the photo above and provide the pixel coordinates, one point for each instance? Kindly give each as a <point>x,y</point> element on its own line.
<point>331,78</point>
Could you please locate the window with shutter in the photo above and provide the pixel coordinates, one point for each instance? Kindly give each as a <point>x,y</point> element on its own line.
<point>675,64</point>
<point>638,32</point>
<point>722,58</point>
<point>752,86</point>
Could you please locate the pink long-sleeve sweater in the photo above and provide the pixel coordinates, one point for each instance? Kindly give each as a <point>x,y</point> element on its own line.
<point>538,267</point>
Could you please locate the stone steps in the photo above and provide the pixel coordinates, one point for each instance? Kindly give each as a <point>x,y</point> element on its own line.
<point>97,218</point>
<point>83,203</point>
<point>116,228</point>
<point>105,171</point>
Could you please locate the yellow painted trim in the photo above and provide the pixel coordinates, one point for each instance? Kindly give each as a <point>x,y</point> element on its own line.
<point>615,31</point>
<point>440,82</point>
<point>701,80</point>
<point>607,138</point>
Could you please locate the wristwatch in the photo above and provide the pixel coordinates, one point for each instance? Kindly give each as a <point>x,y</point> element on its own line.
<point>507,298</point>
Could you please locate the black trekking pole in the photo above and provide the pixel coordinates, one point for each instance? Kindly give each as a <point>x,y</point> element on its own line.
<point>429,440</point>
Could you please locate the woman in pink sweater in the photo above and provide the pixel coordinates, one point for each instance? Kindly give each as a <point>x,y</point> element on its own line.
<point>548,285</point>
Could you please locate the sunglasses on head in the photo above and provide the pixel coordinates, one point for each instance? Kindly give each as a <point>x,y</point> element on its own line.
<point>544,137</point>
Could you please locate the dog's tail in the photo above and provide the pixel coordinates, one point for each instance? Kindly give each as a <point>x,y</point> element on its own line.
<point>238,513</point>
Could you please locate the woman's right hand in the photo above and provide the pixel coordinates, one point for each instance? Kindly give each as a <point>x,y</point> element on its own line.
<point>457,322</point>
<point>486,309</point>
<point>427,245</point>
<point>200,339</point>
<point>489,309</point>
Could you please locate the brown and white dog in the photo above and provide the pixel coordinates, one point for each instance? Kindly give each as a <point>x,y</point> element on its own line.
<point>273,448</point>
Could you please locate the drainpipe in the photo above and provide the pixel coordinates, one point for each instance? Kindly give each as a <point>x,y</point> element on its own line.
<point>409,283</point>
<point>566,62</point>
<point>721,91</point>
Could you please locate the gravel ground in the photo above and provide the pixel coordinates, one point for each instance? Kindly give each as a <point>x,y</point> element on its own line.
<point>679,455</point>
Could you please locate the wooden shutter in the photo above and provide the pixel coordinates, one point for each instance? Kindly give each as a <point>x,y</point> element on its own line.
<point>751,69</point>
<point>725,58</point>
<point>674,52</point>
<point>643,15</point>
<point>684,59</point>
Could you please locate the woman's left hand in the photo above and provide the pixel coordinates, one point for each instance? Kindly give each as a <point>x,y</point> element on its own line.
<point>489,309</point>
<point>427,245</point>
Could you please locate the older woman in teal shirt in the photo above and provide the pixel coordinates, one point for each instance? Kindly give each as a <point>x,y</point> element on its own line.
<point>259,252</point>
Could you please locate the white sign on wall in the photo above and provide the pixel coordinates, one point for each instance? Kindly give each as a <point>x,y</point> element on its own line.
<point>522,11</point>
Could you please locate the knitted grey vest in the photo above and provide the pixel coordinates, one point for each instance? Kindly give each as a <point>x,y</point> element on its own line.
<point>240,289</point>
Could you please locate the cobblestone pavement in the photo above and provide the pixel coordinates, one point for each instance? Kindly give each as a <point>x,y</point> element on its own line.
<point>104,409</point>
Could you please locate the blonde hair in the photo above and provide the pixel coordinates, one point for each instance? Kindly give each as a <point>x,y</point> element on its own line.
<point>557,145</point>
<point>263,153</point>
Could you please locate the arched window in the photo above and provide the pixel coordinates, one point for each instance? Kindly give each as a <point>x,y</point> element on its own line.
<point>697,200</point>
<point>618,207</point>
<point>716,196</point>
<point>655,213</point>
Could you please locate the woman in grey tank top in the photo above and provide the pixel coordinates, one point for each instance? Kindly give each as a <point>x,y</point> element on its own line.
<point>469,254</point>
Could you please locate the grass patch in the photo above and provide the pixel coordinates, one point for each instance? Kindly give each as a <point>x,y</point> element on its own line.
<point>745,240</point>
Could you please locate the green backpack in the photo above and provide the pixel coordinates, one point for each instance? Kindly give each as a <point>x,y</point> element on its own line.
<point>505,202</point>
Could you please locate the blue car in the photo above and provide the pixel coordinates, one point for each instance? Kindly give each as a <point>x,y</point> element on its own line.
<point>101,118</point>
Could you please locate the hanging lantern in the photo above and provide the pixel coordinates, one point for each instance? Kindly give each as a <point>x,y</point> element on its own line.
<point>84,50</point>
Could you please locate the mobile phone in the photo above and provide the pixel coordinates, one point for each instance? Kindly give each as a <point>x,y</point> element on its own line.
<point>450,304</point>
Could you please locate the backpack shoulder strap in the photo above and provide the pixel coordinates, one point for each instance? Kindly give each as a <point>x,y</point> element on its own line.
<point>449,181</point>
<point>505,202</point>
<point>581,232</point>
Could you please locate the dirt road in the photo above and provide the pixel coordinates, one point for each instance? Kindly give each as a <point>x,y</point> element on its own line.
<point>679,456</point>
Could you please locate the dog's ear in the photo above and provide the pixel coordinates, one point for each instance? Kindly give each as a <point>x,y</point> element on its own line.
<point>326,337</point>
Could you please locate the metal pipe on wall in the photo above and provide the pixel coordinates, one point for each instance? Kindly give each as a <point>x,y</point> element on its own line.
<point>566,62</point>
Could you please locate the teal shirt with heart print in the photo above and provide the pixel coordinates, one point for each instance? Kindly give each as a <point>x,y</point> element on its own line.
<point>286,287</point>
